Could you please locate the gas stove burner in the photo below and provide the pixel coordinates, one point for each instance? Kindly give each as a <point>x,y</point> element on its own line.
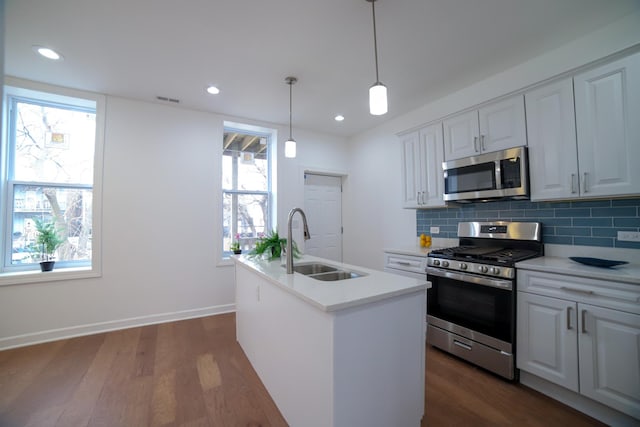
<point>510,255</point>
<point>489,253</point>
<point>482,252</point>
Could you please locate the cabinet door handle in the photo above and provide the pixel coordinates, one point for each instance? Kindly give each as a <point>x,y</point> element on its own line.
<point>424,197</point>
<point>584,321</point>
<point>475,144</point>
<point>404,263</point>
<point>418,197</point>
<point>580,291</point>
<point>584,183</point>
<point>482,147</point>
<point>573,183</point>
<point>568,318</point>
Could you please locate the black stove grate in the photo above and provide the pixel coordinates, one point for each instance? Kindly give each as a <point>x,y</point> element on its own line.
<point>507,256</point>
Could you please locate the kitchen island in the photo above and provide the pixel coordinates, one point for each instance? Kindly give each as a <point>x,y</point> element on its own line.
<point>334,353</point>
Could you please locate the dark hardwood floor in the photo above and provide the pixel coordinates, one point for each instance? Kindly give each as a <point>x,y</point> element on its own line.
<point>194,373</point>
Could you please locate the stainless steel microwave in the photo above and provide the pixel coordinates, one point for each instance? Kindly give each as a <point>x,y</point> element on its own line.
<point>498,175</point>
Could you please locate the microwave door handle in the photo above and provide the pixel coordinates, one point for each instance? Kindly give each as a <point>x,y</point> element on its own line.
<point>498,173</point>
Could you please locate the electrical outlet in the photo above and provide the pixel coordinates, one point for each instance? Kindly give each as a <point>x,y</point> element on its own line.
<point>434,230</point>
<point>629,236</point>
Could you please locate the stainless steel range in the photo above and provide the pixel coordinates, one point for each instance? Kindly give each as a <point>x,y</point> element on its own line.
<point>471,304</point>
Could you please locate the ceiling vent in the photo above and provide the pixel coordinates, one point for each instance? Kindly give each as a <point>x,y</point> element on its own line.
<point>165,99</point>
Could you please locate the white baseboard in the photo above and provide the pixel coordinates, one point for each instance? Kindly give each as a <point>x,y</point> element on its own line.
<point>112,325</point>
<point>583,404</point>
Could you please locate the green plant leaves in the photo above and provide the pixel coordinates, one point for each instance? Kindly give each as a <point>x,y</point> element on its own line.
<point>272,244</point>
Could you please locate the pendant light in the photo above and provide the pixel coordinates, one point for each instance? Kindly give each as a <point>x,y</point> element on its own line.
<point>290,144</point>
<point>377,92</point>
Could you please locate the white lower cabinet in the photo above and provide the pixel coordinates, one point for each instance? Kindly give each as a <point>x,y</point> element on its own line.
<point>609,349</point>
<point>405,265</point>
<point>582,334</point>
<point>547,341</point>
<point>326,368</point>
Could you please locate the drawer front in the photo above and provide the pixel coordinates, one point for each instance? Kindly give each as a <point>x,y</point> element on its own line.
<point>408,263</point>
<point>602,293</point>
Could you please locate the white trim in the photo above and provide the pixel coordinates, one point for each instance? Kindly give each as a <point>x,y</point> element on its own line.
<point>37,276</point>
<point>577,401</point>
<point>325,172</point>
<point>112,325</point>
<point>272,135</point>
<point>20,87</point>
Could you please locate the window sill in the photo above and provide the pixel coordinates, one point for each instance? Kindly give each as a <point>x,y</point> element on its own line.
<point>225,262</point>
<point>26,277</point>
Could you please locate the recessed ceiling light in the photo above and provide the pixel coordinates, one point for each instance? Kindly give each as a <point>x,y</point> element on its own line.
<point>339,118</point>
<point>47,53</point>
<point>213,90</point>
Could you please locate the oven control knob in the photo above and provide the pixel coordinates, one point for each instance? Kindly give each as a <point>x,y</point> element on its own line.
<point>436,262</point>
<point>483,269</point>
<point>462,266</point>
<point>495,270</point>
<point>445,263</point>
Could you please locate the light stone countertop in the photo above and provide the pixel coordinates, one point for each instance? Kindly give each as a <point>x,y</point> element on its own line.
<point>417,250</point>
<point>627,273</point>
<point>410,250</point>
<point>338,295</point>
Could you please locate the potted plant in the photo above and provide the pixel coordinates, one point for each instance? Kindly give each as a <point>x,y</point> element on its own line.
<point>271,245</point>
<point>49,239</point>
<point>235,246</point>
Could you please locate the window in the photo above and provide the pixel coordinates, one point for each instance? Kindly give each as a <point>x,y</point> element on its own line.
<point>246,187</point>
<point>48,154</point>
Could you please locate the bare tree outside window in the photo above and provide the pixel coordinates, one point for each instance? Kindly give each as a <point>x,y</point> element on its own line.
<point>51,177</point>
<point>246,187</point>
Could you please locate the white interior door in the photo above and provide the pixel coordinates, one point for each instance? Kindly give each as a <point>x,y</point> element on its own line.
<point>323,207</point>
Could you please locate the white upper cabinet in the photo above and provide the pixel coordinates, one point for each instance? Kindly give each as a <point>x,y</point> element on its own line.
<point>589,151</point>
<point>422,156</point>
<point>551,134</point>
<point>608,128</point>
<point>502,125</point>
<point>432,156</point>
<point>496,126</point>
<point>461,136</point>
<point>410,169</point>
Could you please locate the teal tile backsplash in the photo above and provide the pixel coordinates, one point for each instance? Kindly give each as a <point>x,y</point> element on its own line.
<point>587,223</point>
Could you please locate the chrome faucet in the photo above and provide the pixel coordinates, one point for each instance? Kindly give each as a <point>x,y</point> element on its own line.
<point>307,236</point>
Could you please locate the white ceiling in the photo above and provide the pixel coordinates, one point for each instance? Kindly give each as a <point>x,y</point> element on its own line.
<point>427,48</point>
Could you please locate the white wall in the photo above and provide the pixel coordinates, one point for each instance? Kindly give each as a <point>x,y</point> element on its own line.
<point>161,216</point>
<point>316,152</point>
<point>374,219</point>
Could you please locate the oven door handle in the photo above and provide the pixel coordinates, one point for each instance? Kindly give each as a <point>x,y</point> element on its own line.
<point>478,280</point>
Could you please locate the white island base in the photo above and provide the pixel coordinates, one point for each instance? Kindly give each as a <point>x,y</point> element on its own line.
<point>359,362</point>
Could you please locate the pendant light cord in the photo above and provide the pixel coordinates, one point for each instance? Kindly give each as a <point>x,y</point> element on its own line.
<point>375,38</point>
<point>290,107</point>
<point>290,81</point>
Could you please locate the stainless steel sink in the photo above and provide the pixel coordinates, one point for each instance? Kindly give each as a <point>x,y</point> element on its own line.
<point>336,275</point>
<point>313,268</point>
<point>324,272</point>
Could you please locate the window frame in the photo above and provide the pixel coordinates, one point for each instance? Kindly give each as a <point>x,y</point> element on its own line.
<point>44,94</point>
<point>271,138</point>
